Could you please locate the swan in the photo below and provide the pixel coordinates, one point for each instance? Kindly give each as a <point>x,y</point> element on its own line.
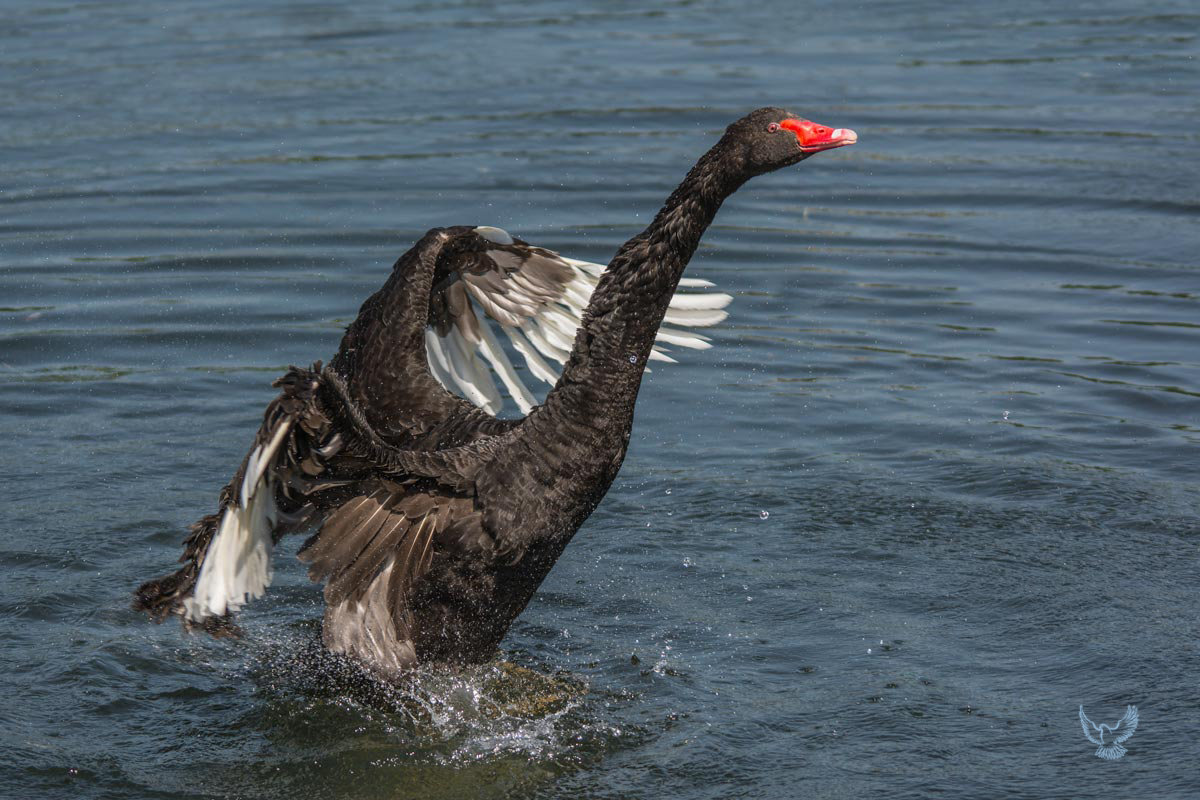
<point>435,520</point>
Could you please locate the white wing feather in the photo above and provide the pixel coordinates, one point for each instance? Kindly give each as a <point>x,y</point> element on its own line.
<point>541,318</point>
<point>237,565</point>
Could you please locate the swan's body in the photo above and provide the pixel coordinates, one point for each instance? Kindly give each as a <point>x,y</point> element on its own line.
<point>438,521</point>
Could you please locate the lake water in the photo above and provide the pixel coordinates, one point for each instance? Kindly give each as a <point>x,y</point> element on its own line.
<point>934,488</point>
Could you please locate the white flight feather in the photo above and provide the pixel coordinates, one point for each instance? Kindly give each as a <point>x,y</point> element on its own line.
<point>692,340</point>
<point>576,294</point>
<point>494,353</point>
<point>459,381</point>
<point>237,564</point>
<point>701,301</point>
<point>474,380</point>
<point>558,328</point>
<point>656,354</point>
<point>544,347</point>
<point>542,330</point>
<point>436,356</point>
<point>687,316</point>
<point>537,365</point>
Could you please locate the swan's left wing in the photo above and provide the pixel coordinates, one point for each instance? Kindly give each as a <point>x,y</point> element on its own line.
<point>537,297</point>
<point>227,557</point>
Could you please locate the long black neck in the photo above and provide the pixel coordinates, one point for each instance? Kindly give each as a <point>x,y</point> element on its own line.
<point>600,382</point>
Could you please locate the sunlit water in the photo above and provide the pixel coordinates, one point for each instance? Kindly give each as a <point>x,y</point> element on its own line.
<point>933,489</point>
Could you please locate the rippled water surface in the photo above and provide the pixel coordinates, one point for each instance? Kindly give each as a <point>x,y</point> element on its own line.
<point>934,488</point>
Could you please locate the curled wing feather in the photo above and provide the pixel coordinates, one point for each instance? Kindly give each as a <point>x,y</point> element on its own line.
<point>538,298</point>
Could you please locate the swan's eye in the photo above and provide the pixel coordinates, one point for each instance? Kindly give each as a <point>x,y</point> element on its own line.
<point>774,126</point>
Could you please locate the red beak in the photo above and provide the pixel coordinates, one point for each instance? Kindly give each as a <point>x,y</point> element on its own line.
<point>813,138</point>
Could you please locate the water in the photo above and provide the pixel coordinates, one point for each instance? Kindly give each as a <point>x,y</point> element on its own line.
<point>934,488</point>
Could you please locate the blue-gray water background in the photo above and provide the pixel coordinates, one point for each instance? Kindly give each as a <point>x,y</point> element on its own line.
<point>934,488</point>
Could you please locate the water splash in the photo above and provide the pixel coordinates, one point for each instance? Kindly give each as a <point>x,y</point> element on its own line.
<point>438,714</point>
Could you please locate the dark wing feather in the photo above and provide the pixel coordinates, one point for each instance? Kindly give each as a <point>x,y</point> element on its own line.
<point>373,552</point>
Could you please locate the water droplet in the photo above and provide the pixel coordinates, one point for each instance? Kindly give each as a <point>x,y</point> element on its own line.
<point>633,359</point>
<point>764,514</point>
<point>687,562</point>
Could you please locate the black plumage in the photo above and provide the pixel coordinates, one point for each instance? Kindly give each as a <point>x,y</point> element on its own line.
<point>437,521</point>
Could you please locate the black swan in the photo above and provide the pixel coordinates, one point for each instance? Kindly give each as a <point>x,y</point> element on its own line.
<point>437,520</point>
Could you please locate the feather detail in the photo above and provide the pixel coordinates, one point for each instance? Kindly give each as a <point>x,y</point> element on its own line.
<point>536,365</point>
<point>227,556</point>
<point>692,340</point>
<point>237,566</point>
<point>539,299</point>
<point>658,354</point>
<point>494,353</point>
<point>701,317</point>
<point>700,301</point>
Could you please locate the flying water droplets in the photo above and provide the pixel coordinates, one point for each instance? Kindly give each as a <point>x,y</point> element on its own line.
<point>764,514</point>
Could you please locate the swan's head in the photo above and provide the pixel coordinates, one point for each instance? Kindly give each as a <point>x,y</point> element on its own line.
<point>771,138</point>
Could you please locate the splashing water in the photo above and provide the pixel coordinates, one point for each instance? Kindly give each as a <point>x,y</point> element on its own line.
<point>441,715</point>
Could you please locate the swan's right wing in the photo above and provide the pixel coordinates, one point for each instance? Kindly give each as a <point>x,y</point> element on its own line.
<point>537,298</point>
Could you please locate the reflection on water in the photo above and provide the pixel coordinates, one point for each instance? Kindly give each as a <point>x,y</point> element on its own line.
<point>931,490</point>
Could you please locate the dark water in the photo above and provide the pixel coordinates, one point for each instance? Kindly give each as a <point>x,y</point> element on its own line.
<point>934,488</point>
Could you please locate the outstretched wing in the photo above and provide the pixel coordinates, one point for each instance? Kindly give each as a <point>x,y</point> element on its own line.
<point>1128,724</point>
<point>1088,726</point>
<point>537,297</point>
<point>227,557</point>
